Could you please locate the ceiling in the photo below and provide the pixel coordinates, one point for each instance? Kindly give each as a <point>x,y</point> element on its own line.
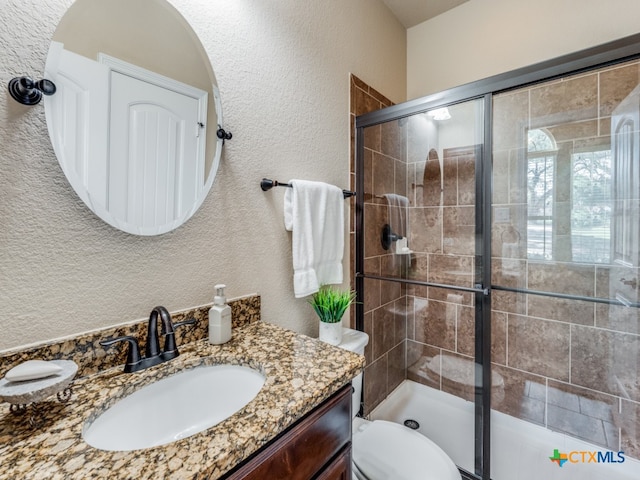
<point>413,12</point>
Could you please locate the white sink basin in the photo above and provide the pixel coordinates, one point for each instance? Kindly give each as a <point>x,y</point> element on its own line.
<point>175,407</point>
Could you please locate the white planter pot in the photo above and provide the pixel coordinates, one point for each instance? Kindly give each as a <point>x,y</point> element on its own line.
<point>331,333</point>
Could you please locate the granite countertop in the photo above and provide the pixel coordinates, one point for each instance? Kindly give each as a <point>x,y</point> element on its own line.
<point>300,373</point>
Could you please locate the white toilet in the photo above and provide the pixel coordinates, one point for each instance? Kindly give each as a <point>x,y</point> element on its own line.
<point>388,450</point>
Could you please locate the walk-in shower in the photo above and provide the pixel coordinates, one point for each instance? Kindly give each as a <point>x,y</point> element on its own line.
<point>497,248</point>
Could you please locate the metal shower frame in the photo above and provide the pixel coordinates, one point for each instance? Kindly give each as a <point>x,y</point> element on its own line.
<point>611,53</point>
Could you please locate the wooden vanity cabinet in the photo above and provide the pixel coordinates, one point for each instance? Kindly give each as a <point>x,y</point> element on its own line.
<point>339,468</point>
<point>316,447</point>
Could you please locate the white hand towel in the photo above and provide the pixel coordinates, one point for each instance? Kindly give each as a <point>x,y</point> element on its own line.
<point>314,213</point>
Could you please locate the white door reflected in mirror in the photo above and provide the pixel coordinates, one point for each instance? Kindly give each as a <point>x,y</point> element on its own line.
<point>155,152</point>
<point>138,146</point>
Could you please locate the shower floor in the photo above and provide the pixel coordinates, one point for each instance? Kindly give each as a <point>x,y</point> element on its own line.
<point>519,451</point>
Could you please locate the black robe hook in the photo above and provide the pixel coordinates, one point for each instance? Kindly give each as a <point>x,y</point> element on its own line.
<point>27,92</point>
<point>223,134</point>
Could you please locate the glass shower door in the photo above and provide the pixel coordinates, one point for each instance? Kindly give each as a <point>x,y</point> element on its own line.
<point>422,258</point>
<point>565,265</point>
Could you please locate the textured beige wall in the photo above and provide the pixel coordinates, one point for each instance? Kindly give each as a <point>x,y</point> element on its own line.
<point>481,38</point>
<point>283,71</point>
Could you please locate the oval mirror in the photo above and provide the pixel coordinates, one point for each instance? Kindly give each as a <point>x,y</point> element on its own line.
<point>134,119</point>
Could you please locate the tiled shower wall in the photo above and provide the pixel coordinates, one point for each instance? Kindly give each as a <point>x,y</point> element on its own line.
<point>385,303</point>
<point>441,335</point>
<point>569,365</point>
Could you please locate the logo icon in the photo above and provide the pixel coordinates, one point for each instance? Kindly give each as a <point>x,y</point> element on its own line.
<point>559,458</point>
<point>579,456</point>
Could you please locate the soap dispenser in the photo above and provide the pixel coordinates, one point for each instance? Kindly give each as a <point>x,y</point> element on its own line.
<point>219,318</point>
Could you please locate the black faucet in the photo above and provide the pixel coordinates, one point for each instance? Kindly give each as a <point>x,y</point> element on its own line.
<point>153,355</point>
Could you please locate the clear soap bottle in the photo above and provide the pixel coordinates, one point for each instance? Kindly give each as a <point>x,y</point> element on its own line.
<point>219,318</point>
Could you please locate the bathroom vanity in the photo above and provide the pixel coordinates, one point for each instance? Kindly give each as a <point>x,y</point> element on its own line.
<point>297,427</point>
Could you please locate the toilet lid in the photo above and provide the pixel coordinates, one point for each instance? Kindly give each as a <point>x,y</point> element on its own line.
<point>389,451</point>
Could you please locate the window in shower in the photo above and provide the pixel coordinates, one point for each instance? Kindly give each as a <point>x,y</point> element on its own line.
<point>591,206</point>
<point>541,163</point>
<point>581,232</point>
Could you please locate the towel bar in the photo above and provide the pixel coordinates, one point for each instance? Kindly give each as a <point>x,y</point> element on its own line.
<point>268,184</point>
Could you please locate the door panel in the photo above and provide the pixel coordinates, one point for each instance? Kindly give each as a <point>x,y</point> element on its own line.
<point>153,144</point>
<point>79,131</point>
<point>422,262</point>
<point>565,274</point>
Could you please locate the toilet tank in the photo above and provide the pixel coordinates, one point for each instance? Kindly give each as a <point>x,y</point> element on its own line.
<point>355,341</point>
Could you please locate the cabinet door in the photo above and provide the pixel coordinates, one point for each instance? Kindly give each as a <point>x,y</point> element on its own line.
<point>340,468</point>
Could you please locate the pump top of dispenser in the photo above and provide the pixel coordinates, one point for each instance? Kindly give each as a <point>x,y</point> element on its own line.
<point>220,299</point>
